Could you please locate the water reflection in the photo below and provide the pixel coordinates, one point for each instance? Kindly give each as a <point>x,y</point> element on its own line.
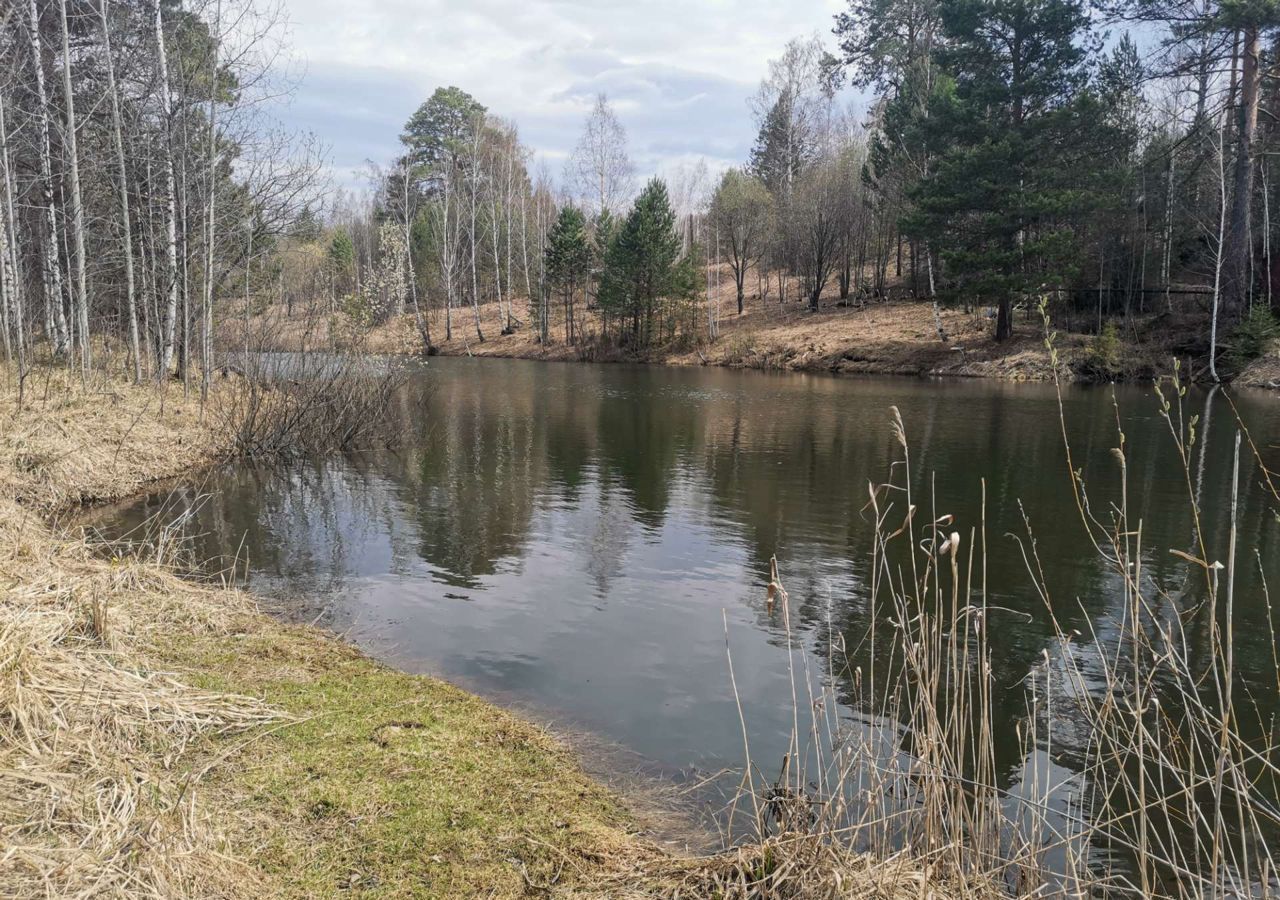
<point>569,536</point>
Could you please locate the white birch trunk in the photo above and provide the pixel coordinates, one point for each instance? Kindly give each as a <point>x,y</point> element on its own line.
<point>1217,267</point>
<point>81,299</point>
<point>55,319</point>
<point>131,305</point>
<point>206,310</point>
<point>9,252</point>
<point>170,318</point>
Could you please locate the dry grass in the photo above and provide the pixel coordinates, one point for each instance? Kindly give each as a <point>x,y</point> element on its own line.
<point>92,741</point>
<point>73,443</point>
<point>895,337</point>
<point>1263,372</point>
<point>792,866</point>
<point>162,738</point>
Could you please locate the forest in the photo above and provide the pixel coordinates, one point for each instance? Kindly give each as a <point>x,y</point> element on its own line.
<point>1107,162</point>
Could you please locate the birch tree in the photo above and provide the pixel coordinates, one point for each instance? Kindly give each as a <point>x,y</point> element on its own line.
<point>55,318</point>
<point>122,170</point>
<point>169,200</point>
<point>599,168</point>
<point>81,299</point>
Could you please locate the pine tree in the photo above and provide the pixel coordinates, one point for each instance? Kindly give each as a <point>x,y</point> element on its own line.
<point>440,131</point>
<point>642,265</point>
<point>1011,121</point>
<point>568,257</point>
<point>341,261</point>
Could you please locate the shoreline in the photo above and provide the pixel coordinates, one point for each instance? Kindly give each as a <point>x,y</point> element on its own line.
<point>293,764</point>
<point>897,338</point>
<point>169,738</point>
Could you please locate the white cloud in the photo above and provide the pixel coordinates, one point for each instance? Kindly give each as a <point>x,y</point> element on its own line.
<point>678,71</point>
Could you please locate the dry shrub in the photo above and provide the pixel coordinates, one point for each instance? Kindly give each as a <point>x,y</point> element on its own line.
<point>286,405</point>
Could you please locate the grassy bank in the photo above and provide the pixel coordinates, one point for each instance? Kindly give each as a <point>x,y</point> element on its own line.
<point>164,738</point>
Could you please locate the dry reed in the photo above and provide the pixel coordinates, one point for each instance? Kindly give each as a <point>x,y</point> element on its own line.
<point>1170,796</point>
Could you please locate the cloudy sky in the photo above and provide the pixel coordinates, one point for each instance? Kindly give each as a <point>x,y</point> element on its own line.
<point>679,72</point>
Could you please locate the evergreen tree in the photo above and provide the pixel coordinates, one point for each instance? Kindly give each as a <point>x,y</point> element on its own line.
<point>1012,124</point>
<point>441,129</point>
<point>341,261</point>
<point>642,265</point>
<point>568,259</point>
<point>780,152</point>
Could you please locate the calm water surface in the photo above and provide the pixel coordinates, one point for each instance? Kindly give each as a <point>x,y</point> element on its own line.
<point>573,537</point>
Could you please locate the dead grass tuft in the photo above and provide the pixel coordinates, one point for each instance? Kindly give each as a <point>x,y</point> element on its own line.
<point>795,866</point>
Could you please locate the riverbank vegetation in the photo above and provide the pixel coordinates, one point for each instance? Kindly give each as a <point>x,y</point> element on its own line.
<point>165,738</point>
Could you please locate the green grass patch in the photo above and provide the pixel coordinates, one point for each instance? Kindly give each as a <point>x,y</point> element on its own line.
<point>383,784</point>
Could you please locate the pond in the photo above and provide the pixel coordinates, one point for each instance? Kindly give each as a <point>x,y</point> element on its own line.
<point>578,539</point>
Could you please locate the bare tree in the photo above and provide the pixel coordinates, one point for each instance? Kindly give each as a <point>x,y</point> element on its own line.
<point>122,168</point>
<point>211,205</point>
<point>743,212</point>
<point>599,168</point>
<point>169,320</point>
<point>81,300</point>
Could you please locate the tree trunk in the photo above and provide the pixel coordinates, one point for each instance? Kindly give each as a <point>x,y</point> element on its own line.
<point>14,293</point>
<point>81,300</point>
<point>55,319</point>
<point>1240,241</point>
<point>131,308</point>
<point>170,319</point>
<point>424,329</point>
<point>206,311</point>
<point>1004,319</point>
<point>933,294</point>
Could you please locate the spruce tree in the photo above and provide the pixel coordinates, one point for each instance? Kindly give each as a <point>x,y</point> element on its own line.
<point>780,153</point>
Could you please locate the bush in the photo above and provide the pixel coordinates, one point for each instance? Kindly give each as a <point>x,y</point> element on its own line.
<point>289,405</point>
<point>1104,358</point>
<point>1253,337</point>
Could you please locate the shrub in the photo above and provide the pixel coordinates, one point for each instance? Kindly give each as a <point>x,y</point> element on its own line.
<point>1253,337</point>
<point>1104,359</point>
